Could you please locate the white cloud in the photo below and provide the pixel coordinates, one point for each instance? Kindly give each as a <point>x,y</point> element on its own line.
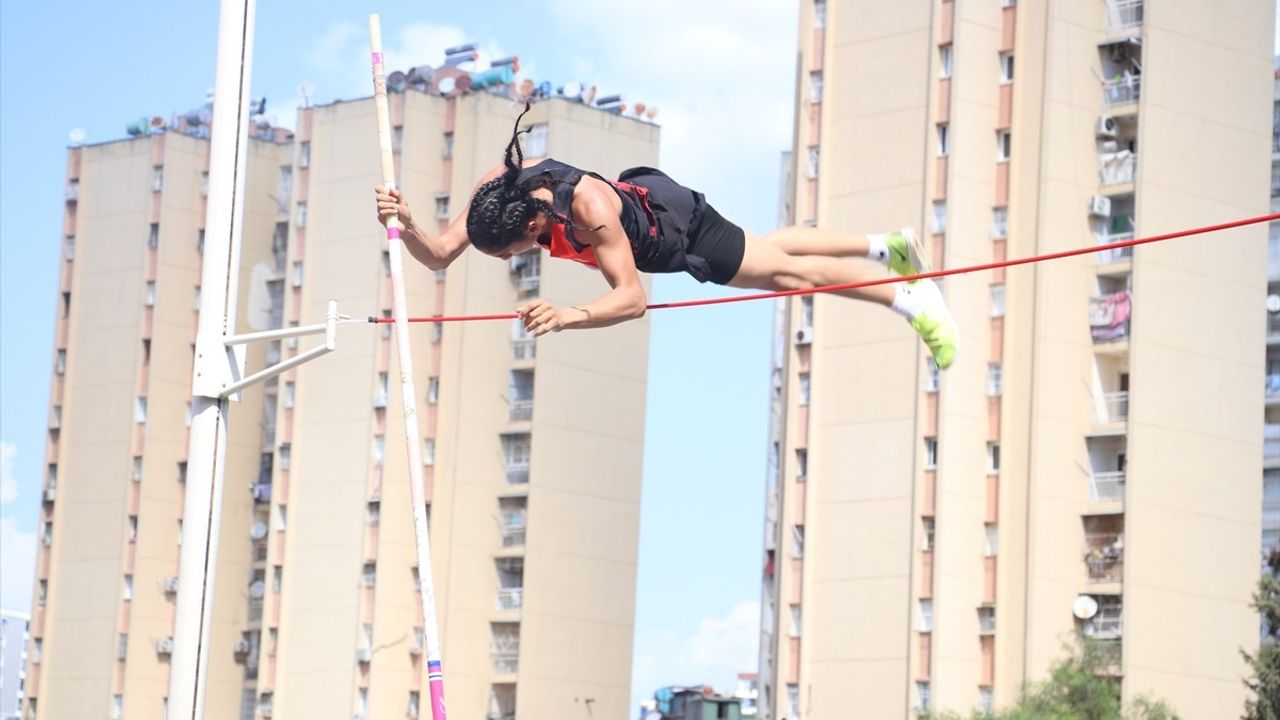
<point>17,565</point>
<point>724,90</point>
<point>717,651</point>
<point>8,485</point>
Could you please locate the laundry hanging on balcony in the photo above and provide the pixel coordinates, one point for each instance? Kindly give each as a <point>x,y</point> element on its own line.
<point>1109,316</point>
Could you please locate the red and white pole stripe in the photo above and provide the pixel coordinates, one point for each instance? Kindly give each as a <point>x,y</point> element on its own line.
<point>413,441</point>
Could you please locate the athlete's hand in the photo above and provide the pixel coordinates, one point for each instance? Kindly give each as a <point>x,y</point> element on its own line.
<point>541,317</point>
<point>392,202</point>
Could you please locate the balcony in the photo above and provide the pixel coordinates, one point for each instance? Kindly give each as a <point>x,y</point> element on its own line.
<point>1115,255</point>
<point>1273,328</point>
<point>1271,445</point>
<point>521,411</point>
<point>1113,407</point>
<point>510,598</point>
<point>1116,168</point>
<point>523,348</point>
<point>1123,16</point>
<point>1121,90</point>
<point>513,528</point>
<point>1108,623</point>
<point>1109,317</point>
<point>506,662</point>
<point>1104,556</point>
<point>1273,388</point>
<point>1108,487</point>
<point>517,471</point>
<point>262,493</point>
<point>1104,655</point>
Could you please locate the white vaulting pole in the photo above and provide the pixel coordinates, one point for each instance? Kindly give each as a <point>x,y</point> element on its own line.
<point>215,365</point>
<point>412,440</point>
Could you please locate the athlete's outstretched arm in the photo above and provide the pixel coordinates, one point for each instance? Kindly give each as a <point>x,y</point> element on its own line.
<point>626,301</point>
<point>439,251</point>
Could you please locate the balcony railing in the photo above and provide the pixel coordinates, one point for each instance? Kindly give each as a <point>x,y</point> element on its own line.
<point>1123,15</point>
<point>1103,653</point>
<point>1114,407</point>
<point>1123,90</point>
<point>1104,557</point>
<point>506,662</point>
<point>521,410</point>
<point>1105,487</point>
<point>1115,255</point>
<point>513,529</point>
<point>510,598</point>
<point>1117,168</point>
<point>1271,444</point>
<point>523,349</point>
<point>517,471</point>
<point>1107,624</point>
<point>1273,327</point>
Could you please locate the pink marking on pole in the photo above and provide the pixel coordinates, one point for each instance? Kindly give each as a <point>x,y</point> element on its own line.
<point>377,58</point>
<point>437,699</point>
<point>393,232</point>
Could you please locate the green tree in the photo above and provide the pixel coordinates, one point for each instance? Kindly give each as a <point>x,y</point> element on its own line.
<point>1265,683</point>
<point>1077,688</point>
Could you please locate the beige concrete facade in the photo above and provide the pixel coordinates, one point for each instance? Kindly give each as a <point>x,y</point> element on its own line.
<point>533,450</point>
<point>928,539</point>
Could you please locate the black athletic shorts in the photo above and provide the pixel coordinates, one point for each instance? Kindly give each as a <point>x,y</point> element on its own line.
<point>692,237</point>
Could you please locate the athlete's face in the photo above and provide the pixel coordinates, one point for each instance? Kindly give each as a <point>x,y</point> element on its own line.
<point>536,227</point>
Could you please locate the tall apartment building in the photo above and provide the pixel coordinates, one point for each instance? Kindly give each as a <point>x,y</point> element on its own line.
<point>934,542</point>
<point>533,450</point>
<point>1271,430</point>
<point>14,628</point>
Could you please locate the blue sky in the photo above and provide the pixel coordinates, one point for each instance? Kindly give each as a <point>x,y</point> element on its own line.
<point>721,73</point>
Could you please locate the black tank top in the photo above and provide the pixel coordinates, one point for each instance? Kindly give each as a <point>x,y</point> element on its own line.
<point>635,219</point>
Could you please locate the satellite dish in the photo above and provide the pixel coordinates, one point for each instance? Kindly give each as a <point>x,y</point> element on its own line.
<point>1273,303</point>
<point>78,135</point>
<point>157,122</point>
<point>571,90</point>
<point>1085,607</point>
<point>257,589</point>
<point>651,112</point>
<point>397,81</point>
<point>639,108</point>
<point>258,531</point>
<point>447,85</point>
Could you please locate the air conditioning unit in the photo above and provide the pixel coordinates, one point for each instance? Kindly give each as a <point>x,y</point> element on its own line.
<point>241,647</point>
<point>171,585</point>
<point>804,336</point>
<point>1100,206</point>
<point>364,654</point>
<point>1106,127</point>
<point>164,646</point>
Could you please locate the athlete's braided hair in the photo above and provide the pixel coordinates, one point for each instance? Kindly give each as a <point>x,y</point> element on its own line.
<point>501,207</point>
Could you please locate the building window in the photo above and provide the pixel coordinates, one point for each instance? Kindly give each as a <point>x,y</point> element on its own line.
<point>277,581</point>
<point>927,525</point>
<point>304,154</point>
<point>806,311</point>
<point>442,207</point>
<point>290,393</point>
<point>151,294</point>
<point>1003,145</point>
<point>128,587</point>
<point>137,468</point>
<point>939,218</point>
<point>286,453</point>
<point>42,592</point>
<point>986,620</point>
<point>373,512</point>
<point>814,160</point>
<point>447,147</point>
<point>802,465</point>
<point>990,545</point>
<point>804,388</point>
<point>793,701</point>
<point>433,390</point>
<point>943,144</point>
<point>60,362</point>
<point>535,145</point>
<point>933,376</point>
<point>157,179</point>
<point>815,86</point>
<point>397,138</point>
<point>140,409</point>
<point>282,518</point>
<point>819,13</point>
<point>999,223</point>
<point>997,300</point>
<point>944,61</point>
<point>797,534</point>
<point>302,215</point>
<point>370,574</point>
<point>995,381</point>
<point>133,528</point>
<point>922,696</point>
<point>153,236</point>
<point>930,453</point>
<point>993,458</point>
<point>297,274</point>
<point>1006,67</point>
<point>986,700</point>
<point>797,621</point>
<point>200,241</point>
<point>926,616</point>
<point>429,452</point>
<point>69,247</point>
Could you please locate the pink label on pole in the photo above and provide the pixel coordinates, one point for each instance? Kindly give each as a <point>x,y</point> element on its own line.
<point>377,58</point>
<point>393,232</point>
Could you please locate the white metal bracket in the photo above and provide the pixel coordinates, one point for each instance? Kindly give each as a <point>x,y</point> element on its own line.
<point>236,342</point>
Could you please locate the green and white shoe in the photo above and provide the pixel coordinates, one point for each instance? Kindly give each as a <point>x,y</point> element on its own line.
<point>906,253</point>
<point>935,324</point>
